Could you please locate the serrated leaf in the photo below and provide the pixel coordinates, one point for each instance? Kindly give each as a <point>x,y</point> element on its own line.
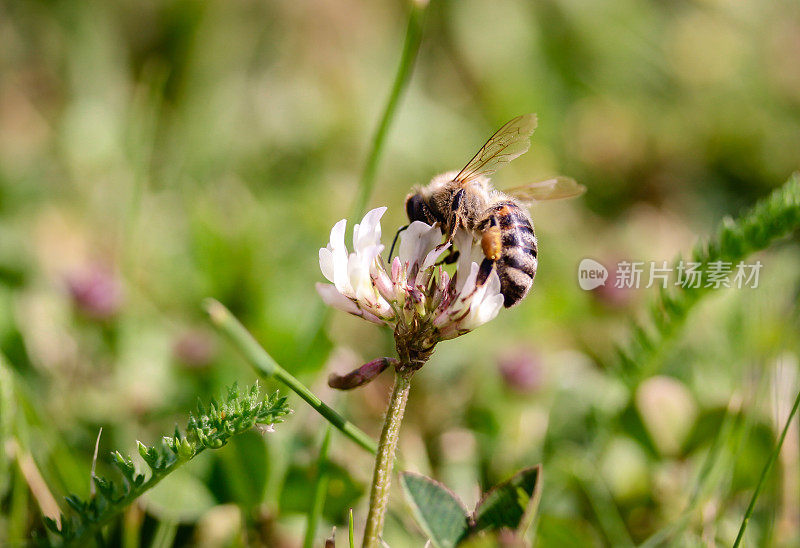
<point>510,504</point>
<point>233,417</point>
<point>105,487</point>
<point>51,524</point>
<point>438,511</point>
<point>147,453</point>
<point>76,503</point>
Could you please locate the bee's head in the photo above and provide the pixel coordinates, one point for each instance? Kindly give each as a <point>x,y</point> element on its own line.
<point>417,209</point>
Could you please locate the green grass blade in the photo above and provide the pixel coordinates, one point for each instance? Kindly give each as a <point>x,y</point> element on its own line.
<point>413,38</point>
<point>350,528</point>
<point>165,534</point>
<point>320,490</point>
<point>7,414</point>
<point>765,472</point>
<point>708,475</point>
<point>607,512</point>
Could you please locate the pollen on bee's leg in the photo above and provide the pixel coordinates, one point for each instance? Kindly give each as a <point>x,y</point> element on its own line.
<point>492,243</point>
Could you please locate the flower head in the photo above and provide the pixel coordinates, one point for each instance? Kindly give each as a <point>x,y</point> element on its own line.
<point>413,295</point>
<point>96,292</point>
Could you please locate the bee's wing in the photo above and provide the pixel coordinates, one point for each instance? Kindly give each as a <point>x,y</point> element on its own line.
<point>510,141</point>
<point>551,189</point>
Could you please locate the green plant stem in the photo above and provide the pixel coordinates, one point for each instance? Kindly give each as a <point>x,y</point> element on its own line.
<point>320,490</point>
<point>267,367</point>
<point>350,533</point>
<point>411,44</point>
<point>384,460</point>
<point>165,534</point>
<point>132,528</point>
<point>93,528</point>
<point>765,472</point>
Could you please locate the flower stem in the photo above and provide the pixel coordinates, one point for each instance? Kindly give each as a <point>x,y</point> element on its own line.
<point>384,461</point>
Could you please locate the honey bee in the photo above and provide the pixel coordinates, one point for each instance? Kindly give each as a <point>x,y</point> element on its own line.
<point>467,200</point>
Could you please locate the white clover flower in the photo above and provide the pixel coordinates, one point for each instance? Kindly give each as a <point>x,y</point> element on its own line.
<point>413,295</point>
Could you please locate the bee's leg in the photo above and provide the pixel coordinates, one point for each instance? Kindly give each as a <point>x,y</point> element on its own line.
<point>487,265</point>
<point>455,222</point>
<point>456,203</point>
<point>450,258</point>
<point>492,245</point>
<point>456,217</point>
<point>396,235</point>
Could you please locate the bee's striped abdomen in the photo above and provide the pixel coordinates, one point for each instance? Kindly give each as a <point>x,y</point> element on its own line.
<point>516,266</point>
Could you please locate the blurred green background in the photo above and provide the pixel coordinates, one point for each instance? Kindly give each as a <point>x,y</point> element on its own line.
<point>154,153</point>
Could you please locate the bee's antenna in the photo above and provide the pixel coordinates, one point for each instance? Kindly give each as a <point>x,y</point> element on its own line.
<point>396,235</point>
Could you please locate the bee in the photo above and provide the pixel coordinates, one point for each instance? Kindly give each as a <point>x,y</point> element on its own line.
<point>466,200</point>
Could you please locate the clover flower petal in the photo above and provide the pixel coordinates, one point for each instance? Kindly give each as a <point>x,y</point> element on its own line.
<point>333,259</point>
<point>331,296</point>
<point>416,242</point>
<point>368,232</point>
<point>433,255</point>
<point>413,295</point>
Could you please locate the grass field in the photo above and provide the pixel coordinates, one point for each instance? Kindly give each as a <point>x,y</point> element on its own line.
<point>155,154</point>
